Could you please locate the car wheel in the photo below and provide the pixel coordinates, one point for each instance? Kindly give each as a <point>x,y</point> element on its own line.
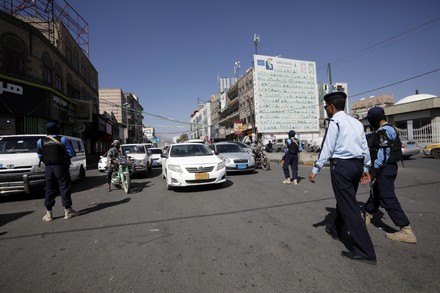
<point>82,173</point>
<point>436,153</point>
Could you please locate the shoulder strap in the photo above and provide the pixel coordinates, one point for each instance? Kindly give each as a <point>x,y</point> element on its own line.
<point>54,139</point>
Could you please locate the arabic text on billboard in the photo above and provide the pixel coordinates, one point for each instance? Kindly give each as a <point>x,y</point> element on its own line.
<point>286,95</point>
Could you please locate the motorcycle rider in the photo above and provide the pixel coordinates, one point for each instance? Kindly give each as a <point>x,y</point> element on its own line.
<point>112,161</point>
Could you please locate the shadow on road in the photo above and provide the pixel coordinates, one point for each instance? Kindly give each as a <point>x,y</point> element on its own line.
<point>6,218</point>
<point>105,205</point>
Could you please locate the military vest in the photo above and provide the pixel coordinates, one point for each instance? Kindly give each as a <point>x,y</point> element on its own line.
<point>293,146</point>
<point>53,153</point>
<point>380,139</point>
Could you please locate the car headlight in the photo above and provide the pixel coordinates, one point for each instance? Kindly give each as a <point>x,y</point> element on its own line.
<point>227,160</point>
<point>221,165</point>
<point>175,168</point>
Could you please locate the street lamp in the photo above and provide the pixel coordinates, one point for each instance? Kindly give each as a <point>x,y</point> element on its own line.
<point>237,69</point>
<point>256,41</point>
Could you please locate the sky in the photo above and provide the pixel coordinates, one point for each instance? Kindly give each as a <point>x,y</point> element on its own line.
<point>171,52</point>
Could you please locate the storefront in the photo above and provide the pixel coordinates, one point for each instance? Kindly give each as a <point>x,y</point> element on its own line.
<point>29,106</point>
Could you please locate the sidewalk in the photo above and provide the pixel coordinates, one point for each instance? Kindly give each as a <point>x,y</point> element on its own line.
<point>305,158</point>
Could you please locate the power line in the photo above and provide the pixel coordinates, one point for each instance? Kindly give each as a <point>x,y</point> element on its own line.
<point>391,84</point>
<point>383,43</point>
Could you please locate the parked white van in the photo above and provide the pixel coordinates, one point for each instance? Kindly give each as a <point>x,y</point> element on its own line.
<point>20,168</point>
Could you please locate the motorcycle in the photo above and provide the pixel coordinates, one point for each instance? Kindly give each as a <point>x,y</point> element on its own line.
<point>261,160</point>
<point>121,176</point>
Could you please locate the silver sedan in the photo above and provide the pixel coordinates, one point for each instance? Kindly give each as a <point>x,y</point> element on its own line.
<point>236,159</point>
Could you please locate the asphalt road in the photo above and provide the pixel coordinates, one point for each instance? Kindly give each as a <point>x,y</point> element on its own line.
<point>254,234</point>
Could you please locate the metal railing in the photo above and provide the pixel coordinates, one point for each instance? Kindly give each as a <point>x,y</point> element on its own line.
<point>429,133</point>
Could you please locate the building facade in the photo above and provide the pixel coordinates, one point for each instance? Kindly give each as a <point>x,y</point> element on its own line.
<point>45,72</point>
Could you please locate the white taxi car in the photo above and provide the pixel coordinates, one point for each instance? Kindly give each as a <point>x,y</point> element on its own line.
<point>191,164</point>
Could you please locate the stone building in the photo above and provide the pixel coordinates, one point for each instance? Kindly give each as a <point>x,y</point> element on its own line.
<point>45,72</point>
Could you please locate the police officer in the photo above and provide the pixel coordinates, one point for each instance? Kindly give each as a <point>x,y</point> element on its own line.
<point>55,152</point>
<point>291,151</point>
<point>346,147</point>
<point>385,150</point>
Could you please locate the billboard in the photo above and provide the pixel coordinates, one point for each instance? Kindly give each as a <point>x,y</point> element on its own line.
<point>286,95</point>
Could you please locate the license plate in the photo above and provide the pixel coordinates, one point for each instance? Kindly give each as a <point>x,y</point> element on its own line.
<point>201,176</point>
<point>241,166</point>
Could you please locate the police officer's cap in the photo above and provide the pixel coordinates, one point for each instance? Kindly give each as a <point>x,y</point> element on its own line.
<point>375,111</point>
<point>52,127</point>
<point>292,133</point>
<point>335,97</point>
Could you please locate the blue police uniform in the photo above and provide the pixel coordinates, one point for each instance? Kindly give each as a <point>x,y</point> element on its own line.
<point>385,169</point>
<point>292,149</point>
<point>346,147</point>
<point>57,175</point>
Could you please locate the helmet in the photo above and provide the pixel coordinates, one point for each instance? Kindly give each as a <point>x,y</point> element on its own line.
<point>375,116</point>
<point>52,127</point>
<point>292,133</point>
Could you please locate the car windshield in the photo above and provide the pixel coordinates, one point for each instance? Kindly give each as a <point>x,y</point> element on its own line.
<point>229,148</point>
<point>156,151</point>
<point>22,144</point>
<point>190,150</point>
<point>133,149</point>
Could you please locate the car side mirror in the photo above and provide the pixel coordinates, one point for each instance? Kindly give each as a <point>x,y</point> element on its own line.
<point>216,153</point>
<point>163,156</point>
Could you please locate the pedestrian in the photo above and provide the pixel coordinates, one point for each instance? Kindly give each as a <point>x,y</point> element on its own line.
<point>346,147</point>
<point>291,150</point>
<point>269,147</point>
<point>112,161</point>
<point>385,150</point>
<point>55,152</point>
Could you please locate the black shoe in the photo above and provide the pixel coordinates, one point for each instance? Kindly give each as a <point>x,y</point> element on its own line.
<point>356,257</point>
<point>330,229</point>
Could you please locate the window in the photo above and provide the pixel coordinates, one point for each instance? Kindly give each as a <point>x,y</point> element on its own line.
<point>58,77</point>
<point>75,59</point>
<point>47,69</point>
<point>12,53</point>
<point>68,51</point>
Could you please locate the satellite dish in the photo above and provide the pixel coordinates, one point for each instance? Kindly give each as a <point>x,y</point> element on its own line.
<point>79,127</point>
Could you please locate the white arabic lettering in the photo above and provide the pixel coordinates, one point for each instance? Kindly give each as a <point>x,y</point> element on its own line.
<point>11,88</point>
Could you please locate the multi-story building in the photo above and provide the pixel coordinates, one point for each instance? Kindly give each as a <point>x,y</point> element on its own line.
<point>201,122</point>
<point>112,100</point>
<point>134,131</point>
<point>45,72</point>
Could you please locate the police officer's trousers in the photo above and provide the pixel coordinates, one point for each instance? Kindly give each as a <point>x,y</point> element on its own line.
<point>58,180</point>
<point>383,190</point>
<point>345,177</point>
<point>292,161</point>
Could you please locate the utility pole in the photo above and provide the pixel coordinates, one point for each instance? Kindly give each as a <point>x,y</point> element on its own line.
<point>330,83</point>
